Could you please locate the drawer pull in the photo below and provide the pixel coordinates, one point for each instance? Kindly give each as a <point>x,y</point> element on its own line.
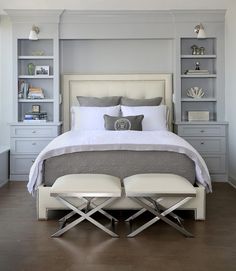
<point>202,131</point>
<point>33,161</point>
<point>202,143</point>
<point>34,143</point>
<point>34,132</point>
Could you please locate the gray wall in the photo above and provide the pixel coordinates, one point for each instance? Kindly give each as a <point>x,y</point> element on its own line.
<point>116,56</point>
<point>230,84</point>
<point>6,92</point>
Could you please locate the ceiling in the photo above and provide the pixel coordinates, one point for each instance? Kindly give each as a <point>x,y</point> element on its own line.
<point>114,4</point>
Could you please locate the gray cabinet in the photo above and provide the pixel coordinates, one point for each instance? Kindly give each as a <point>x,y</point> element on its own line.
<point>27,141</point>
<point>211,142</point>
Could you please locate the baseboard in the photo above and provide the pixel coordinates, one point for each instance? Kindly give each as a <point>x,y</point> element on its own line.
<point>3,183</point>
<point>232,182</point>
<point>220,178</point>
<point>19,178</point>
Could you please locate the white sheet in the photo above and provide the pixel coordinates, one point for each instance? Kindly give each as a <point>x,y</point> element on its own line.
<point>76,141</point>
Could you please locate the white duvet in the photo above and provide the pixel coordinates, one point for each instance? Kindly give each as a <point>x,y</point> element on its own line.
<point>76,141</point>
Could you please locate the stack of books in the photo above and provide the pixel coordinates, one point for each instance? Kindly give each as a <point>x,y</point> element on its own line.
<point>35,117</point>
<point>197,72</point>
<point>35,93</point>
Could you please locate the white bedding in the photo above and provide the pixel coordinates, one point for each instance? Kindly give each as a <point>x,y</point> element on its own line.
<point>76,141</point>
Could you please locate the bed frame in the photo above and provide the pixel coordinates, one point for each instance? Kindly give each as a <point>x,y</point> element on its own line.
<point>129,85</point>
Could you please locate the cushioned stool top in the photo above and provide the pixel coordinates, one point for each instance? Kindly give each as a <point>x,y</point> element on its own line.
<point>161,184</point>
<point>87,185</point>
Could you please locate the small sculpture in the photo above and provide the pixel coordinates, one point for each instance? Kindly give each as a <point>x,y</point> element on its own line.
<point>202,51</point>
<point>194,49</point>
<point>197,66</point>
<point>31,68</point>
<point>195,92</point>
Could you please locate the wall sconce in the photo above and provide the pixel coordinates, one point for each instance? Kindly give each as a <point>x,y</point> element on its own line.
<point>34,33</point>
<point>199,29</point>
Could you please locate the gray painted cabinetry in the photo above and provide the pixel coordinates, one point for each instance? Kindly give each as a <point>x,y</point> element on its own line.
<point>211,142</point>
<point>35,70</point>
<point>208,137</point>
<point>26,143</point>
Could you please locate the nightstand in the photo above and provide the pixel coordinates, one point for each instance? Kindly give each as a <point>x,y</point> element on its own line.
<point>210,140</point>
<point>27,141</point>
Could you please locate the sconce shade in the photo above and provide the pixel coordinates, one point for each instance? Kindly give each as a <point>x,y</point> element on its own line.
<point>34,33</point>
<point>199,29</point>
<point>201,34</point>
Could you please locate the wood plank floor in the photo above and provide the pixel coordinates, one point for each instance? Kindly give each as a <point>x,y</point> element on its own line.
<point>25,243</point>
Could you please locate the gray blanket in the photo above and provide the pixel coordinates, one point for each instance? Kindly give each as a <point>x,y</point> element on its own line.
<point>119,163</point>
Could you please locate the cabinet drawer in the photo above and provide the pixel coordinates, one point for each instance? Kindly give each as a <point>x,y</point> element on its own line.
<point>29,145</point>
<point>34,131</point>
<point>208,145</point>
<point>201,130</point>
<point>21,164</point>
<point>215,164</point>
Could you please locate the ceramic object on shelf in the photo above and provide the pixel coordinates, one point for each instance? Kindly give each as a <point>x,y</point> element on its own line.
<point>195,93</point>
<point>31,68</point>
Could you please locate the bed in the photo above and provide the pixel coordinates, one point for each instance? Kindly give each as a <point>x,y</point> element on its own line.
<point>135,161</point>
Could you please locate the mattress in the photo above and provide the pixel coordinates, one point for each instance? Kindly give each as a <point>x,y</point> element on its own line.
<point>118,163</point>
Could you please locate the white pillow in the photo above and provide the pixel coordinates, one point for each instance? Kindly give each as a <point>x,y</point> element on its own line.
<point>91,118</point>
<point>155,117</point>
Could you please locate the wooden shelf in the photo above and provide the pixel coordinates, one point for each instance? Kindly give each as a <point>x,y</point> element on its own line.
<point>35,57</point>
<point>198,100</point>
<point>35,100</point>
<point>198,56</point>
<point>35,76</point>
<point>198,76</point>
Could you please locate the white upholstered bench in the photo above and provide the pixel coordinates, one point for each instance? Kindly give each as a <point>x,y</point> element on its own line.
<point>86,187</point>
<point>148,190</point>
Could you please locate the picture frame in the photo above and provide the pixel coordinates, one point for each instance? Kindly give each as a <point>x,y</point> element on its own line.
<point>41,70</point>
<point>36,108</point>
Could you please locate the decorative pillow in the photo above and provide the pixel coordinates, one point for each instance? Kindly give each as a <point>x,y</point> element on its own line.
<point>98,102</point>
<point>155,117</point>
<point>91,118</point>
<point>141,102</point>
<point>123,123</point>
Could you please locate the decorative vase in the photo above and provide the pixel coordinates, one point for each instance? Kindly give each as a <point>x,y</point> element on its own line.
<point>31,68</point>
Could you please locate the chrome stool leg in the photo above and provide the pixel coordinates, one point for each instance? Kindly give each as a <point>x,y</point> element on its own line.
<point>159,216</point>
<point>84,216</point>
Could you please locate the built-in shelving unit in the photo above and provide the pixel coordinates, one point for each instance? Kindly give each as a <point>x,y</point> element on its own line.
<point>209,137</point>
<point>29,133</point>
<point>207,82</point>
<point>26,50</point>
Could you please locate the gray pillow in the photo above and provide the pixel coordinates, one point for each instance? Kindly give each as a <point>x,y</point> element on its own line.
<point>123,123</point>
<point>98,102</point>
<point>141,102</point>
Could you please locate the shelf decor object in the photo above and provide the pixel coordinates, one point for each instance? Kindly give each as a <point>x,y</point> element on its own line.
<point>198,115</point>
<point>195,92</point>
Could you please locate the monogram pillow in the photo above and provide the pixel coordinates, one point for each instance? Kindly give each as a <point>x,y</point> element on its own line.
<point>123,123</point>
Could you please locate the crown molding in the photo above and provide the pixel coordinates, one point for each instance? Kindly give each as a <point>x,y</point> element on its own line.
<point>31,15</point>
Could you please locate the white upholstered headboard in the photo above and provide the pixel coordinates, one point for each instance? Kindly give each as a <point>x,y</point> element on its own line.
<point>129,85</point>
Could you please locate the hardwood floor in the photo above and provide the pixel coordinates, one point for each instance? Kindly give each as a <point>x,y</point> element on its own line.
<point>25,243</point>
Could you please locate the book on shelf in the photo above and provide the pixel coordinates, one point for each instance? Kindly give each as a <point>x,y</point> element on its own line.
<point>35,116</point>
<point>34,121</point>
<point>35,93</point>
<point>198,72</point>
